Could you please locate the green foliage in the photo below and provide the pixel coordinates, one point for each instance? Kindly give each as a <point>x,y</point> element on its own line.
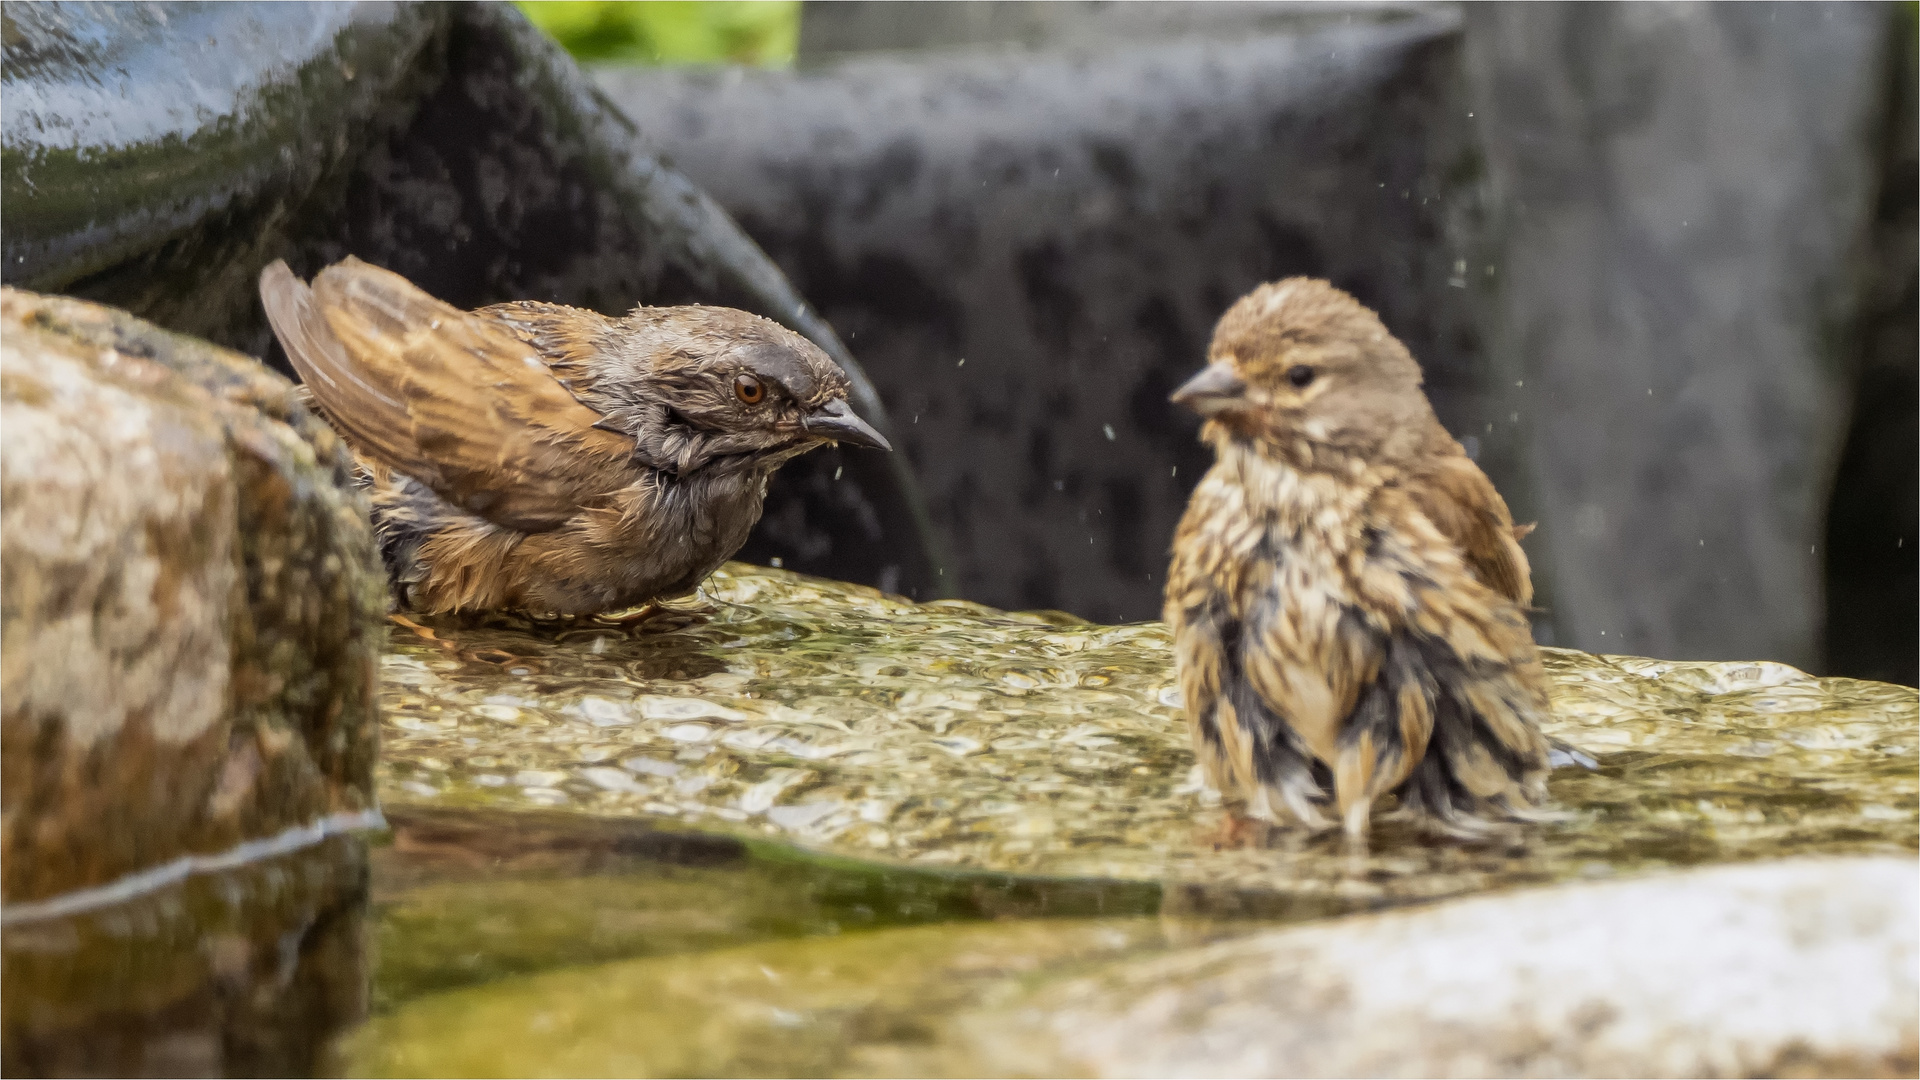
<point>762,32</point>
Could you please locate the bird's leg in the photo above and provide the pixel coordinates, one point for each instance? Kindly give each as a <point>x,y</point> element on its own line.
<point>1356,823</point>
<point>1353,791</point>
<point>402,620</point>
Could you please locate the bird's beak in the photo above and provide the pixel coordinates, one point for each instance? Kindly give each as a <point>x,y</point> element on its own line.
<point>1215,390</point>
<point>837,422</point>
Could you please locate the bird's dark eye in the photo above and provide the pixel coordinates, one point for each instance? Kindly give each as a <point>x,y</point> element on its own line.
<point>1300,375</point>
<point>749,389</point>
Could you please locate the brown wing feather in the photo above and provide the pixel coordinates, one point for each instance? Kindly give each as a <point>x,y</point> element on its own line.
<point>1461,502</point>
<point>555,332</point>
<point>363,411</point>
<point>451,398</point>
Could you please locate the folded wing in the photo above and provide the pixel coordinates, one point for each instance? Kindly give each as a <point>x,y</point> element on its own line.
<point>1462,503</point>
<point>451,398</point>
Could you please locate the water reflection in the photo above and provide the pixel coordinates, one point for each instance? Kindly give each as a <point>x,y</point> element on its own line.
<point>249,972</point>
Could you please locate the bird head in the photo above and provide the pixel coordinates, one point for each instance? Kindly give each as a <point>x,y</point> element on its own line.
<point>704,383</point>
<point>1304,367</point>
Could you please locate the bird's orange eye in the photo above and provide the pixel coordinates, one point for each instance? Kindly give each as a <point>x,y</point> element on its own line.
<point>1300,375</point>
<point>749,389</point>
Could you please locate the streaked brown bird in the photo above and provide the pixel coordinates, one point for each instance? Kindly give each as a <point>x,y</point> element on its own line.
<point>543,458</point>
<point>1348,592</point>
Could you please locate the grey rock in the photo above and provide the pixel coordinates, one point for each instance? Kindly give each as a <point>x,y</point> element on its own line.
<point>1512,209</point>
<point>1683,196</point>
<point>1804,967</point>
<point>831,30</point>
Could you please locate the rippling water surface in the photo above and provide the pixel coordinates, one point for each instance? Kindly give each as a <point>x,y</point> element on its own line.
<point>953,735</point>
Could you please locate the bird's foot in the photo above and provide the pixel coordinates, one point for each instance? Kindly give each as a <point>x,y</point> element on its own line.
<point>629,620</point>
<point>424,632</point>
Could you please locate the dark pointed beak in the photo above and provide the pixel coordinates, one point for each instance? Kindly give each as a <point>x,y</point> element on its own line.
<point>837,422</point>
<point>1214,390</point>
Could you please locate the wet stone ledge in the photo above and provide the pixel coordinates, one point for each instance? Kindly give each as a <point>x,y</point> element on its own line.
<point>953,736</point>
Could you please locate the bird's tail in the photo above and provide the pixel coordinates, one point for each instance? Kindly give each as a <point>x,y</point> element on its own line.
<point>1458,743</point>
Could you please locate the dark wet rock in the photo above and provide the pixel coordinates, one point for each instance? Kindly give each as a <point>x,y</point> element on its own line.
<point>1198,149</point>
<point>1873,519</point>
<point>192,603</point>
<point>1801,968</point>
<point>154,154</point>
<point>454,144</point>
<point>1682,198</point>
<point>1029,249</point>
<point>248,972</point>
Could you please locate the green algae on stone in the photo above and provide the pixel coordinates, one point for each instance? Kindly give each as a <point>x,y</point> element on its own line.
<point>464,897</point>
<point>858,724</point>
<point>863,1004</point>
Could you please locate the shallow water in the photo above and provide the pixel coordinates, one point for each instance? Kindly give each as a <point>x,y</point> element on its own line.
<point>788,825</point>
<point>953,735</point>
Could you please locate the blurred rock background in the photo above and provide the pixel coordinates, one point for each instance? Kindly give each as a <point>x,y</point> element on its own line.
<point>1658,262</point>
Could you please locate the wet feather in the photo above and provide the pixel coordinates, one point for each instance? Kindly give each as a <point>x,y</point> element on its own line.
<point>545,458</point>
<point>1347,590</point>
